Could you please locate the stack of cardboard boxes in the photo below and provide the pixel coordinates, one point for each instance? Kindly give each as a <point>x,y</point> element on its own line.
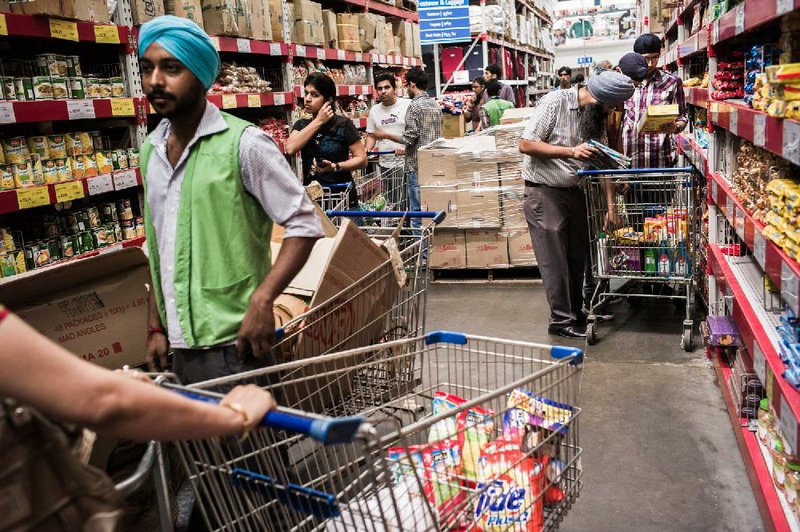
<point>367,32</point>
<point>480,188</point>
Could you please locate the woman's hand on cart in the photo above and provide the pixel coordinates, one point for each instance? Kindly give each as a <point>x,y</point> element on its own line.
<point>400,151</point>
<point>250,402</point>
<point>583,152</point>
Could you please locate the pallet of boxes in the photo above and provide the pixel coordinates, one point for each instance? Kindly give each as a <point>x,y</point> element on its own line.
<point>477,181</point>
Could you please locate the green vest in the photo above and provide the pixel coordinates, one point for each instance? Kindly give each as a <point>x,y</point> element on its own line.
<point>222,242</point>
<point>495,108</point>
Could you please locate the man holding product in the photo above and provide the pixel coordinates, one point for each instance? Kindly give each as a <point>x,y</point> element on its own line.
<point>213,186</point>
<point>653,150</point>
<point>555,148</point>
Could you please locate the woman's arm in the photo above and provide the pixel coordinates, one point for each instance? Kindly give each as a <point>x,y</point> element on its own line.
<point>42,374</point>
<point>358,159</point>
<point>299,138</point>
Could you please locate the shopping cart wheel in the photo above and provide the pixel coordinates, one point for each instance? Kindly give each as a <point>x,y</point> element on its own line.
<point>686,337</point>
<point>591,332</point>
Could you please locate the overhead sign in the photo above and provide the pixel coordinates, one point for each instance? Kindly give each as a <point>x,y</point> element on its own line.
<point>443,21</point>
<point>585,60</point>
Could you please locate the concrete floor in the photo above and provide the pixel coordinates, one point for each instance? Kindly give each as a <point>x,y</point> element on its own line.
<point>659,450</point>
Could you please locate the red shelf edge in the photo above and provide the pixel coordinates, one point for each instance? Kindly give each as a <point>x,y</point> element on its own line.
<point>37,26</point>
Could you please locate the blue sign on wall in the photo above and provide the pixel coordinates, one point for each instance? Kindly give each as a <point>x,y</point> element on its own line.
<point>443,21</point>
<point>585,60</point>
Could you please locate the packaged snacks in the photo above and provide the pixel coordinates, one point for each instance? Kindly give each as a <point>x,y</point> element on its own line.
<point>50,171</point>
<point>475,429</point>
<point>23,175</point>
<point>544,412</point>
<point>63,170</point>
<point>443,487</point>
<point>73,144</point>
<point>510,486</point>
<point>57,145</point>
<point>89,166</point>
<point>78,166</point>
<point>6,177</point>
<point>16,150</point>
<point>86,142</point>
<point>104,162</point>
<point>446,428</point>
<point>38,145</point>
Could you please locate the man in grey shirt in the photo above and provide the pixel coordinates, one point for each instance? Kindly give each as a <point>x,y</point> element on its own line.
<point>555,148</point>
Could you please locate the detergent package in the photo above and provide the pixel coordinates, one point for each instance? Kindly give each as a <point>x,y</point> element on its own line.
<point>542,412</point>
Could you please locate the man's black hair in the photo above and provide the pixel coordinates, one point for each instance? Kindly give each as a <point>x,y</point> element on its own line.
<point>494,69</point>
<point>493,88</point>
<point>386,77</point>
<point>565,70</point>
<point>418,77</point>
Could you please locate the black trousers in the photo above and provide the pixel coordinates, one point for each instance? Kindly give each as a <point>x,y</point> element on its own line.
<point>560,235</point>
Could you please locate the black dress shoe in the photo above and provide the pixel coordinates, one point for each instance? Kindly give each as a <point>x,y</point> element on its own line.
<point>566,332</point>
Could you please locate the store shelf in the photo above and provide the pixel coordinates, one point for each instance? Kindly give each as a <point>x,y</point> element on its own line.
<point>383,9</point>
<point>499,42</point>
<point>516,82</point>
<point>134,242</point>
<point>30,197</point>
<point>672,25</point>
<point>777,135</point>
<point>51,28</point>
<point>696,96</point>
<point>686,11</point>
<point>393,60</point>
<point>740,279</point>
<point>759,472</point>
<point>697,155</point>
<point>341,90</point>
<point>749,15</point>
<point>53,110</point>
<point>783,270</point>
<point>264,99</point>
<point>539,13</point>
<point>697,43</point>
<point>250,46</point>
<point>670,56</point>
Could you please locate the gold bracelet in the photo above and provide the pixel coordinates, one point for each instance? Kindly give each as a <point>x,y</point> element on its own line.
<point>236,407</point>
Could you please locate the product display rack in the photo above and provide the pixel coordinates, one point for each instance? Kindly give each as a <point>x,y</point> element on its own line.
<point>736,273</point>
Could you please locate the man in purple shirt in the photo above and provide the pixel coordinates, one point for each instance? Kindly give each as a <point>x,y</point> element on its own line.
<point>506,93</point>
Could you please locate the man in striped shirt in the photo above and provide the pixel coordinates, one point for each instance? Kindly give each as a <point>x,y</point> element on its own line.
<point>555,148</point>
<point>653,150</point>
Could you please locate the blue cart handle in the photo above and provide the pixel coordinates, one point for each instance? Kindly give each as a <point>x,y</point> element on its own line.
<point>388,152</point>
<point>325,430</point>
<point>629,171</point>
<point>337,186</point>
<point>438,216</point>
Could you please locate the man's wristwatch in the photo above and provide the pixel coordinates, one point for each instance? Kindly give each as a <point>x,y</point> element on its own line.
<point>337,167</point>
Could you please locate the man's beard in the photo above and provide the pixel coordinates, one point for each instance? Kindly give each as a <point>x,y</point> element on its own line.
<point>592,122</point>
<point>182,104</point>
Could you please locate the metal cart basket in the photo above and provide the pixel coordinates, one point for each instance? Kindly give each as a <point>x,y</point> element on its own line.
<point>484,435</point>
<point>644,238</point>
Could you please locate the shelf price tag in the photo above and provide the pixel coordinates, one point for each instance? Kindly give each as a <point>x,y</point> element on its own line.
<point>125,179</point>
<point>729,206</point>
<point>789,286</point>
<point>733,122</point>
<point>3,25</point>
<point>783,6</point>
<point>760,130</point>
<point>280,98</point>
<point>274,48</point>
<point>359,57</point>
<point>28,198</point>
<point>714,190</point>
<point>788,424</point>
<point>320,53</point>
<point>715,32</point>
<point>100,184</point>
<point>791,140</point>
<point>760,249</point>
<point>759,363</point>
<point>215,42</point>
<point>107,34</point>
<point>243,46</point>
<point>740,18</point>
<point>253,100</point>
<point>62,29</point>
<point>300,50</point>
<point>229,101</point>
<point>80,109</point>
<point>122,107</point>
<point>340,54</point>
<point>7,115</point>
<point>69,191</point>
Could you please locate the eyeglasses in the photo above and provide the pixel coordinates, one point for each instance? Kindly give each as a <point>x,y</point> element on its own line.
<point>652,60</point>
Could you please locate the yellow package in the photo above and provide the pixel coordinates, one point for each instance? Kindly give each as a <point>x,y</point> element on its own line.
<point>6,177</point>
<point>86,142</point>
<point>78,166</point>
<point>787,92</point>
<point>38,172</point>
<point>788,73</point>
<point>104,164</point>
<point>16,150</point>
<point>74,145</point>
<point>772,233</point>
<point>64,170</point>
<point>23,175</point>
<point>39,146</point>
<point>49,172</point>
<point>89,166</point>
<point>776,221</point>
<point>777,109</point>
<point>2,157</point>
<point>780,187</point>
<point>57,145</point>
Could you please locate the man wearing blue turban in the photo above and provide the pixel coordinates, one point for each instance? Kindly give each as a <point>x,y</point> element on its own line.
<point>213,186</point>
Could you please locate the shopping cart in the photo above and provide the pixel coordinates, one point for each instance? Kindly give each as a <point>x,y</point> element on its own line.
<point>484,436</point>
<point>386,304</point>
<point>649,245</point>
<point>335,196</point>
<point>382,188</point>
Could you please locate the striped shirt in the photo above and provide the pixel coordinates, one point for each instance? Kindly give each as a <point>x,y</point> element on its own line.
<point>265,174</point>
<point>423,126</point>
<point>555,121</point>
<point>650,150</point>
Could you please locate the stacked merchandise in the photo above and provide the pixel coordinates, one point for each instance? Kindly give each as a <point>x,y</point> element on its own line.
<point>756,168</point>
<point>697,82</point>
<point>756,59</point>
<point>355,106</point>
<point>235,79</point>
<point>57,77</point>
<point>607,159</point>
<point>729,80</point>
<point>781,91</point>
<point>789,345</point>
<point>346,75</point>
<point>477,180</point>
<point>783,217</point>
<point>276,128</point>
<point>779,456</point>
<point>40,160</point>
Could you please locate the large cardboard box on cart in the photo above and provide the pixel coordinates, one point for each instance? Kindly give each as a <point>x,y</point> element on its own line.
<point>95,308</point>
<point>338,321</point>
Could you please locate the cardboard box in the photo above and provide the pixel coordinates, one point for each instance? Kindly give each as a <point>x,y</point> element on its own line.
<point>520,249</point>
<point>276,18</point>
<point>416,44</point>
<point>307,10</point>
<point>441,198</point>
<point>347,26</point>
<point>329,29</point>
<point>89,10</point>
<point>656,116</point>
<point>478,208</point>
<point>244,18</point>
<point>486,249</point>
<point>512,200</point>
<point>453,126</point>
<point>371,32</point>
<point>261,25</point>
<point>220,17</point>
<point>448,249</point>
<point>405,31</point>
<point>146,10</point>
<point>189,9</point>
<point>391,42</point>
<point>308,32</point>
<point>437,166</point>
<point>516,115</point>
<point>95,308</point>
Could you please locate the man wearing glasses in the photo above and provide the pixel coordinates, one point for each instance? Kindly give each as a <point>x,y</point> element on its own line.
<point>653,150</point>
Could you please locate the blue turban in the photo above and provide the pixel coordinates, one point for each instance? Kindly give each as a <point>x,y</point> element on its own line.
<point>184,40</point>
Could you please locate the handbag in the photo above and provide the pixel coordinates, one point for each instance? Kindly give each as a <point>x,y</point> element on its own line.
<point>43,484</point>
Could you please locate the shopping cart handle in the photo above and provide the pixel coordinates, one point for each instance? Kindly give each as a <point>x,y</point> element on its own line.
<point>388,152</point>
<point>337,186</point>
<point>629,171</point>
<point>280,332</point>
<point>300,498</point>
<point>560,352</point>
<point>325,430</point>
<point>438,216</point>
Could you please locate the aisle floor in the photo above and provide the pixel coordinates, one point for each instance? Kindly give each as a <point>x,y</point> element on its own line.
<point>659,450</point>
